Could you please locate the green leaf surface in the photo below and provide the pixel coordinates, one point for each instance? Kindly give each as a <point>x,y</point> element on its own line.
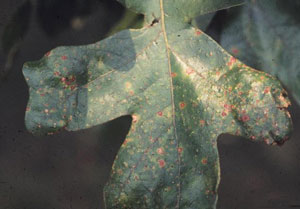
<point>265,34</point>
<point>182,91</point>
<point>179,9</point>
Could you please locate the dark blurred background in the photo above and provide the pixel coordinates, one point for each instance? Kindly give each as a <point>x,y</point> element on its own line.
<point>68,170</point>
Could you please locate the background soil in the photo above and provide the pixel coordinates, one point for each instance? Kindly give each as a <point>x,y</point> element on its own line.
<point>68,170</point>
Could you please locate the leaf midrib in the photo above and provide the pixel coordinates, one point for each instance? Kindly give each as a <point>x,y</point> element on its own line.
<point>163,28</point>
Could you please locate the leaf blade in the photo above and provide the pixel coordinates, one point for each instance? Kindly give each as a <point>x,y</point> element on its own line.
<point>189,91</point>
<point>266,43</point>
<point>183,11</point>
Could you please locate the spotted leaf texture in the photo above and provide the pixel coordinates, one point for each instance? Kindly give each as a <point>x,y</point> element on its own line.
<point>182,91</point>
<point>265,34</point>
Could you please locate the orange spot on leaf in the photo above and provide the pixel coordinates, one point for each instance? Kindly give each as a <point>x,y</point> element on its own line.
<point>204,161</point>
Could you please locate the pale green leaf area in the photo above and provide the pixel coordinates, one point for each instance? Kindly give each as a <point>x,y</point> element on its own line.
<point>182,91</point>
<point>265,34</point>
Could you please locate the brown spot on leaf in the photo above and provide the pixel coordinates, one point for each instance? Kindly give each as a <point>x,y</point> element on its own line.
<point>173,75</point>
<point>64,57</point>
<point>198,32</point>
<point>202,122</point>
<point>182,105</point>
<point>128,85</point>
<point>73,87</point>
<point>245,118</point>
<point>125,142</point>
<point>72,78</point>
<point>159,113</point>
<point>160,151</point>
<point>131,93</point>
<point>56,73</point>
<point>267,89</point>
<point>228,107</point>
<point>189,71</point>
<point>204,161</point>
<point>231,61</point>
<point>134,118</point>
<point>48,54</point>
<point>267,141</point>
<point>119,171</point>
<point>161,163</point>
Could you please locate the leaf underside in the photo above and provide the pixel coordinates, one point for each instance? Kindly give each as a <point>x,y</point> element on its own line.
<point>182,91</point>
<point>265,34</point>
